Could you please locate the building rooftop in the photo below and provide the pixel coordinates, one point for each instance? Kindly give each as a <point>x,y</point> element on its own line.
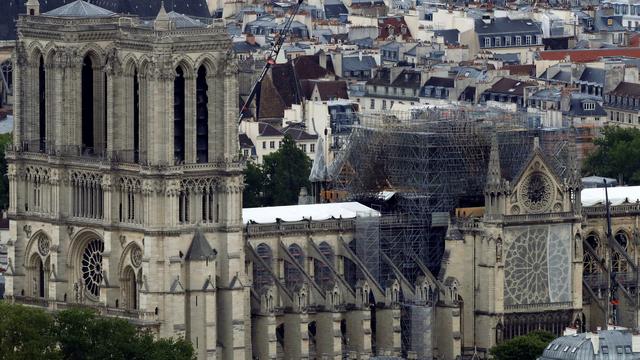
<point>80,9</point>
<point>345,210</point>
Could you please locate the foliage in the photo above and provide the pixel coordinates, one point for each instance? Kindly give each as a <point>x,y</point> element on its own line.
<point>526,347</point>
<point>26,333</point>
<point>5,139</point>
<point>29,333</point>
<point>617,154</point>
<point>254,179</point>
<point>279,179</point>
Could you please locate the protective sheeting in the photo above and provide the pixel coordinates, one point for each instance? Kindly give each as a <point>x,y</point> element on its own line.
<point>345,210</point>
<point>319,168</point>
<point>617,195</point>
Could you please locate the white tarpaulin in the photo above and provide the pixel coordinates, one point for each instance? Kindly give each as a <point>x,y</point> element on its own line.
<point>346,210</point>
<point>617,195</point>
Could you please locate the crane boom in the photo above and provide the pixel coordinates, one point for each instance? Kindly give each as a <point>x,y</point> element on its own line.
<point>275,50</point>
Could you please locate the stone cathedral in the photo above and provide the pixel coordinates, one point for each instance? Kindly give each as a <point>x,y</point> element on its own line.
<point>124,173</point>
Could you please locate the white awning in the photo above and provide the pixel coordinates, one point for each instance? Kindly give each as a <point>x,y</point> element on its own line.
<point>268,215</point>
<point>617,195</point>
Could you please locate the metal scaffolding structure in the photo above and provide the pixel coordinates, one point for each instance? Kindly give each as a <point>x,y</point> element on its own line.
<point>424,164</point>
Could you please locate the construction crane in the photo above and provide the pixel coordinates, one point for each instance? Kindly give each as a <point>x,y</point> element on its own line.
<point>271,59</point>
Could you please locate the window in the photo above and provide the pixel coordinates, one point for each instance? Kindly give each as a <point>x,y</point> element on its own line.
<point>507,41</point>
<point>303,147</point>
<point>402,91</point>
<point>527,40</point>
<point>518,40</point>
<point>245,152</point>
<point>384,104</point>
<point>589,105</point>
<point>372,104</point>
<point>566,348</point>
<point>605,349</point>
<point>619,349</point>
<point>539,39</point>
<point>272,144</point>
<point>264,144</point>
<point>390,106</point>
<point>497,41</point>
<point>312,148</point>
<point>487,42</point>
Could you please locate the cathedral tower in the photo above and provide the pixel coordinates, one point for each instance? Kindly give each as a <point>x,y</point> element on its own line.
<point>125,159</point>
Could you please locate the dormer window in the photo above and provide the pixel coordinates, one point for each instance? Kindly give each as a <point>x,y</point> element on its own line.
<point>609,22</point>
<point>487,42</point>
<point>588,105</point>
<point>497,41</point>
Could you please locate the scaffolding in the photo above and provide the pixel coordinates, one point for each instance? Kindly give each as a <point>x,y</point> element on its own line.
<point>432,161</point>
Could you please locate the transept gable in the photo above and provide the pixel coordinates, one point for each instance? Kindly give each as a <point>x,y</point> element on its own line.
<point>536,188</point>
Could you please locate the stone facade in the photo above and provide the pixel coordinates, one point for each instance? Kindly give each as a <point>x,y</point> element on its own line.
<point>125,142</point>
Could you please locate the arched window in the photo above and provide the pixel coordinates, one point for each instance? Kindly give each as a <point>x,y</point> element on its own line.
<point>292,275</point>
<point>87,104</point>
<point>178,115</point>
<point>620,263</point>
<point>136,117</point>
<point>322,272</point>
<point>589,261</point>
<point>130,288</point>
<point>91,267</point>
<point>42,98</point>
<point>202,116</point>
<point>261,276</point>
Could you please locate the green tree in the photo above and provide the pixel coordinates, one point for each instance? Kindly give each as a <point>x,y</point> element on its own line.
<point>279,179</point>
<point>5,139</point>
<point>26,333</point>
<point>527,347</point>
<point>254,180</point>
<point>617,154</point>
<point>83,334</point>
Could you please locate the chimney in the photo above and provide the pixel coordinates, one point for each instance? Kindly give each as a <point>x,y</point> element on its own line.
<point>487,17</point>
<point>251,39</point>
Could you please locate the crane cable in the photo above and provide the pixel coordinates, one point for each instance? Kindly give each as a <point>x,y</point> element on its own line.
<point>275,50</point>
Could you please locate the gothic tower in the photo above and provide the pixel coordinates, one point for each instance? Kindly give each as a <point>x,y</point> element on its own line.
<point>125,142</point>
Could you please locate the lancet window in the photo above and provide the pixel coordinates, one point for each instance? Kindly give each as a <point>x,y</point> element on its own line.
<point>87,196</point>
<point>130,204</point>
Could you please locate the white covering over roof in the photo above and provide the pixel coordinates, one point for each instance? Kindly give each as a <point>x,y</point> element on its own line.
<point>617,195</point>
<point>268,215</point>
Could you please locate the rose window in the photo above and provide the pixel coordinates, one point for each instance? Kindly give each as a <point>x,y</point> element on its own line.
<point>92,266</point>
<point>43,245</point>
<point>136,257</point>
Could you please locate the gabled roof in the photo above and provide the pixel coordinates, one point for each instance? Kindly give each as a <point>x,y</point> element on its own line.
<point>355,63</point>
<point>183,21</point>
<point>450,36</point>
<point>440,81</point>
<point>328,90</point>
<point>592,75</point>
<point>80,9</point>
<point>510,86</point>
<point>506,26</point>
<point>298,133</point>
<point>143,8</point>
<point>245,141</point>
<point>200,248</point>
<point>265,129</point>
<point>588,55</point>
<point>308,67</point>
<point>626,89</point>
<point>334,8</point>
